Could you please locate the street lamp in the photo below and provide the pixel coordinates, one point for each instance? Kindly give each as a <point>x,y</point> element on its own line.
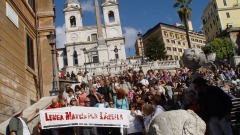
<point>52,40</point>
<point>85,52</point>
<point>141,43</point>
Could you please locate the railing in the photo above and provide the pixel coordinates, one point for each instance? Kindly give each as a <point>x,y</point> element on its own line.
<point>116,67</point>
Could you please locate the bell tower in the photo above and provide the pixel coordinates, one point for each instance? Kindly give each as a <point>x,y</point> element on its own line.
<point>112,21</point>
<point>73,19</point>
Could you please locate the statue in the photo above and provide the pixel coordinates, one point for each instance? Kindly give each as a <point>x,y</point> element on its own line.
<point>194,58</point>
<point>177,122</point>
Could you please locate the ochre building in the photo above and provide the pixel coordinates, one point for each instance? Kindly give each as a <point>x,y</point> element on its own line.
<point>25,67</point>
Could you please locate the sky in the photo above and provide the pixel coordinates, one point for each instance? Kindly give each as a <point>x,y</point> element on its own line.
<point>136,16</point>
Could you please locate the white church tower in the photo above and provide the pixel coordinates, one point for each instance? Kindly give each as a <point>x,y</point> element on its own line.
<point>73,19</point>
<point>113,28</point>
<point>87,46</point>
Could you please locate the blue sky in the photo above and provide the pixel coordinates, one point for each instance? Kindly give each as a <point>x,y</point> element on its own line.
<point>136,15</point>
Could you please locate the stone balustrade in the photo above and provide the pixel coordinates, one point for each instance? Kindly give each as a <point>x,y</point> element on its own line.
<point>116,67</point>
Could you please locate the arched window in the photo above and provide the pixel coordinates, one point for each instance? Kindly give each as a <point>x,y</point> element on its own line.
<point>73,21</point>
<point>116,52</point>
<point>75,58</point>
<point>111,16</point>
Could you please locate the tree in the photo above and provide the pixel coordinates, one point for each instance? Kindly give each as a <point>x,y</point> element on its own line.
<point>184,13</point>
<point>155,49</point>
<point>223,47</point>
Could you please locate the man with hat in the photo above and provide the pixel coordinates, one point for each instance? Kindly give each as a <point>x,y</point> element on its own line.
<point>18,124</point>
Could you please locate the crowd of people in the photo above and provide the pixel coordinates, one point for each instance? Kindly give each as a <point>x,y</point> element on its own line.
<point>148,94</point>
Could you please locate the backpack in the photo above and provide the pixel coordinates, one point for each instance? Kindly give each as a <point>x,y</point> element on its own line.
<point>8,132</point>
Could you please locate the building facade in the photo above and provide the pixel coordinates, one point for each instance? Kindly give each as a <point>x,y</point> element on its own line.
<point>221,18</point>
<point>92,44</point>
<point>24,48</point>
<point>174,38</point>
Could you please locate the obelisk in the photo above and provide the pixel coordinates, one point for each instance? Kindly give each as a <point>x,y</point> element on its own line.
<point>102,48</point>
<point>101,40</point>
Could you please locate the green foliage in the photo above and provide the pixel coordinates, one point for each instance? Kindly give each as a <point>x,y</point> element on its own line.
<point>223,48</point>
<point>184,13</point>
<point>155,49</point>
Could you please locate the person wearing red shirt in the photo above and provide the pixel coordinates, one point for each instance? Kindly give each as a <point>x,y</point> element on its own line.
<point>54,104</point>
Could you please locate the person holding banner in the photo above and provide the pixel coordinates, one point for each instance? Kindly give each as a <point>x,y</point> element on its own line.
<point>88,130</point>
<point>121,102</point>
<point>135,125</point>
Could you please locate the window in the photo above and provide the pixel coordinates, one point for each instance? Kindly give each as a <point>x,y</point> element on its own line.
<point>192,39</point>
<point>167,40</point>
<point>196,40</point>
<point>217,17</point>
<point>179,42</point>
<point>75,58</point>
<point>179,50</point>
<point>183,43</point>
<point>32,4</point>
<point>224,2</point>
<point>176,57</point>
<point>200,41</point>
<point>73,21</point>
<point>111,16</point>
<point>213,22</point>
<point>30,52</point>
<point>173,41</point>
<point>169,48</point>
<point>94,37</point>
<point>95,59</point>
<point>214,6</point>
<point>177,36</point>
<point>65,62</point>
<point>165,34</point>
<point>171,35</point>
<point>174,49</point>
<point>183,37</point>
<point>228,15</point>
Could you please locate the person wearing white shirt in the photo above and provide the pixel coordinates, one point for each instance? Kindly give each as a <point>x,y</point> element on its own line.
<point>15,128</point>
<point>70,95</point>
<point>135,126</point>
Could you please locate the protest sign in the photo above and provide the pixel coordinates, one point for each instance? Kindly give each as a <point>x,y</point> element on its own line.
<point>84,116</point>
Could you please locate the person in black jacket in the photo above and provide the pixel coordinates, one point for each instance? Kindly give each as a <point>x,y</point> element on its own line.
<point>215,107</point>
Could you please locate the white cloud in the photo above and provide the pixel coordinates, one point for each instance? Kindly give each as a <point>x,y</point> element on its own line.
<point>88,6</point>
<point>60,36</point>
<point>130,36</point>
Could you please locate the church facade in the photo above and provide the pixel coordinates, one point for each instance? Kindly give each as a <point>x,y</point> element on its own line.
<point>91,44</point>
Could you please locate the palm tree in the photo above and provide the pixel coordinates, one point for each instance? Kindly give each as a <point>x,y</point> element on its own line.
<point>184,13</point>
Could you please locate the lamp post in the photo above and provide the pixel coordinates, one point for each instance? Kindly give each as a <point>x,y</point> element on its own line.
<point>85,52</point>
<point>52,40</point>
<point>141,43</point>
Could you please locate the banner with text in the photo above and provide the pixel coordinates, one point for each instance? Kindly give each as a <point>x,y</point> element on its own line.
<point>84,116</point>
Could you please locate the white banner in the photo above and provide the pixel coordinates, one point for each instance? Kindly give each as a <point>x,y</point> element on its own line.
<point>84,116</point>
